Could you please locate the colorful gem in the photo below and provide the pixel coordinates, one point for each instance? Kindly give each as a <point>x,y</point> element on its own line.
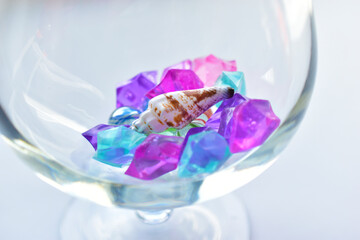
<point>252,123</point>
<point>204,152</point>
<point>116,146</point>
<point>228,105</point>
<point>176,80</point>
<point>234,80</point>
<point>124,115</point>
<point>157,155</point>
<point>178,109</point>
<point>185,65</point>
<point>132,92</point>
<point>92,134</point>
<point>209,68</point>
<point>193,131</point>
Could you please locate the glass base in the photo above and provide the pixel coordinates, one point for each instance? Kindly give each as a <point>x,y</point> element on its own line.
<point>223,218</point>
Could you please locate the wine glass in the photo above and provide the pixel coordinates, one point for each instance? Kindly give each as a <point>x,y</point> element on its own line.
<point>61,62</point>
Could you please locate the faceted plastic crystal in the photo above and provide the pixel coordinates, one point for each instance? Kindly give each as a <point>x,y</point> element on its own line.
<point>157,155</point>
<point>235,80</point>
<point>204,152</point>
<point>132,93</point>
<point>251,124</point>
<point>186,64</point>
<point>209,68</point>
<point>124,115</point>
<point>193,131</point>
<point>224,113</point>
<point>116,146</point>
<point>176,80</point>
<point>92,134</point>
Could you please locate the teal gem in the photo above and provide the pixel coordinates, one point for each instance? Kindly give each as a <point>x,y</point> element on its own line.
<point>236,80</point>
<point>116,146</point>
<point>204,152</point>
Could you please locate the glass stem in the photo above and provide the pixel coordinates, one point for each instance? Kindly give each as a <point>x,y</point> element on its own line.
<point>154,217</point>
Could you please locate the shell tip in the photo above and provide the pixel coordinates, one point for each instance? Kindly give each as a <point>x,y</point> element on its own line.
<point>230,92</point>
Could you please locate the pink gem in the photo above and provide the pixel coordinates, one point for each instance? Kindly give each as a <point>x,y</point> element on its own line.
<point>252,123</point>
<point>186,65</point>
<point>157,155</point>
<point>209,68</point>
<point>176,80</point>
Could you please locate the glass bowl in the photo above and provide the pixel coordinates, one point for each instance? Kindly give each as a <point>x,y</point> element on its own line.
<point>62,60</point>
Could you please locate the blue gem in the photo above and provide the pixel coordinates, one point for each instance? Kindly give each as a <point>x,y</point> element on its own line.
<point>204,152</point>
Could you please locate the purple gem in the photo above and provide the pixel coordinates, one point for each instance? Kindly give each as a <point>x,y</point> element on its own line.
<point>157,155</point>
<point>176,80</point>
<point>132,92</point>
<point>186,64</point>
<point>252,123</point>
<point>227,107</point>
<point>91,134</point>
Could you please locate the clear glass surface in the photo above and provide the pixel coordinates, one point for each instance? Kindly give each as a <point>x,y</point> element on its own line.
<point>222,219</point>
<point>60,62</point>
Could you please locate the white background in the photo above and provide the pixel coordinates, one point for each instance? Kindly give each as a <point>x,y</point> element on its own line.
<point>312,192</point>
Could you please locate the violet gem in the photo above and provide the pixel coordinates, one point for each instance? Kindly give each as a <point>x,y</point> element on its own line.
<point>157,155</point>
<point>176,80</point>
<point>252,123</point>
<point>132,92</point>
<point>186,64</point>
<point>91,134</point>
<point>228,105</point>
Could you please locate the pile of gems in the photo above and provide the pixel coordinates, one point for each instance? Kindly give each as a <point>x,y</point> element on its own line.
<point>158,128</point>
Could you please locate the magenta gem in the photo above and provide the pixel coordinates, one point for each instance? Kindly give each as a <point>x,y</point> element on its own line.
<point>209,68</point>
<point>186,64</point>
<point>157,155</point>
<point>132,92</point>
<point>225,111</point>
<point>91,134</point>
<point>176,80</point>
<point>251,124</point>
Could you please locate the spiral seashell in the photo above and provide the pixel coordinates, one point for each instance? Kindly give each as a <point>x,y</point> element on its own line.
<point>178,109</point>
